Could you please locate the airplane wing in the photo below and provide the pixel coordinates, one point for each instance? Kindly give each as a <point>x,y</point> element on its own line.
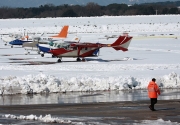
<point>122,43</point>
<point>91,45</point>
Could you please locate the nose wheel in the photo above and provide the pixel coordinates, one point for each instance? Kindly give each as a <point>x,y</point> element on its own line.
<point>42,55</point>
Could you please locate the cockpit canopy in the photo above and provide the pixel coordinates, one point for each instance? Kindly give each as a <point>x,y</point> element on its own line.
<point>61,45</point>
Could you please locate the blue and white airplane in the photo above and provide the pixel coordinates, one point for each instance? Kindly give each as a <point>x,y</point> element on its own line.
<point>20,41</point>
<point>11,37</point>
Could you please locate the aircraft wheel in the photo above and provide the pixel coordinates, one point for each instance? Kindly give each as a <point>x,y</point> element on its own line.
<point>5,44</point>
<point>78,59</point>
<point>11,46</point>
<point>83,60</point>
<point>28,52</point>
<point>59,60</point>
<point>42,55</point>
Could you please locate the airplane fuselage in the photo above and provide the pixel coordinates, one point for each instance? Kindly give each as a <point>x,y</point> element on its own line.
<point>75,52</point>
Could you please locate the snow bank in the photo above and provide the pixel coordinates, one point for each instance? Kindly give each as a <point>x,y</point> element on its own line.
<point>82,121</point>
<point>46,119</point>
<point>156,122</point>
<point>43,83</point>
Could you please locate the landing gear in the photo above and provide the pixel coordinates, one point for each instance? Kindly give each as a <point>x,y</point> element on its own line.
<point>53,56</point>
<point>83,60</point>
<point>38,52</point>
<point>42,55</point>
<point>11,46</point>
<point>59,60</point>
<point>78,59</point>
<point>5,44</point>
<point>27,53</point>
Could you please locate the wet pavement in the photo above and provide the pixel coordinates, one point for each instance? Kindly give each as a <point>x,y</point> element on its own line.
<point>86,97</point>
<point>102,107</point>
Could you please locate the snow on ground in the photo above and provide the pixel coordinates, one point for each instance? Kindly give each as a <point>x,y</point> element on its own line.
<point>83,120</point>
<point>153,52</point>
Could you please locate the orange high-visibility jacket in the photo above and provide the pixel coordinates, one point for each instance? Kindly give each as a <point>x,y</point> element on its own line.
<point>153,90</point>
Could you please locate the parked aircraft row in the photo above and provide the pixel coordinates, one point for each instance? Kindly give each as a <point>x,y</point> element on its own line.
<point>59,47</point>
<point>18,39</point>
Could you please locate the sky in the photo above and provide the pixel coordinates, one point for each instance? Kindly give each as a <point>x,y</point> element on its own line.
<point>153,53</point>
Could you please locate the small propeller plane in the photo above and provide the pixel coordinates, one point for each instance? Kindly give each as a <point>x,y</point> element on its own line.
<point>82,50</point>
<point>33,45</point>
<point>62,34</point>
<point>12,37</point>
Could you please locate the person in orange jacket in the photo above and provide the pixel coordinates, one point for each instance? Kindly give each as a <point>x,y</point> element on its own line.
<point>153,92</point>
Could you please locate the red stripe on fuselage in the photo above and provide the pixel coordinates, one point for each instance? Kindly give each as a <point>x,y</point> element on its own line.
<point>60,51</point>
<point>72,53</point>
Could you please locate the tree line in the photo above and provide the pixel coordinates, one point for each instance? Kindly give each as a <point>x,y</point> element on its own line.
<point>90,9</point>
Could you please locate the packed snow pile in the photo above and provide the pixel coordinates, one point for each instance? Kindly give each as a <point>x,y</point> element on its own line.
<point>156,122</point>
<point>46,119</point>
<point>169,81</point>
<point>43,83</point>
<point>82,121</point>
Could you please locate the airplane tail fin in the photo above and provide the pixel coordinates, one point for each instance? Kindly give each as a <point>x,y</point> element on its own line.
<point>63,33</point>
<point>122,43</point>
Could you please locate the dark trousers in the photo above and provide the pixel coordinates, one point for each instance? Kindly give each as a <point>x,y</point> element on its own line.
<point>153,102</point>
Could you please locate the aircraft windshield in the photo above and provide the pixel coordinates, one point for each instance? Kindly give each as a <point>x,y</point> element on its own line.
<point>62,45</point>
<point>51,43</point>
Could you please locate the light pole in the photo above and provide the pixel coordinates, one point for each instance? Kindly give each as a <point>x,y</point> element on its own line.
<point>156,11</point>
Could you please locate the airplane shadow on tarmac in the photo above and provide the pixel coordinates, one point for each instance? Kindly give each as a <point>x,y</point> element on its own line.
<point>27,61</point>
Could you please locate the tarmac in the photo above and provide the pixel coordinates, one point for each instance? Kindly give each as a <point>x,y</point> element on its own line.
<point>105,112</point>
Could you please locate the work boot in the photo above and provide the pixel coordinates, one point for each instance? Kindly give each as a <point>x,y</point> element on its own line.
<point>154,110</point>
<point>150,107</point>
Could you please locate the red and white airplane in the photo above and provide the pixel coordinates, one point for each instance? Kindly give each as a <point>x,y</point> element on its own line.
<point>82,50</point>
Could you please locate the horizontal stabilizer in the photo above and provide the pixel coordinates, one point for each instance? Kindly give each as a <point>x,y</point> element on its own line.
<point>120,48</point>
